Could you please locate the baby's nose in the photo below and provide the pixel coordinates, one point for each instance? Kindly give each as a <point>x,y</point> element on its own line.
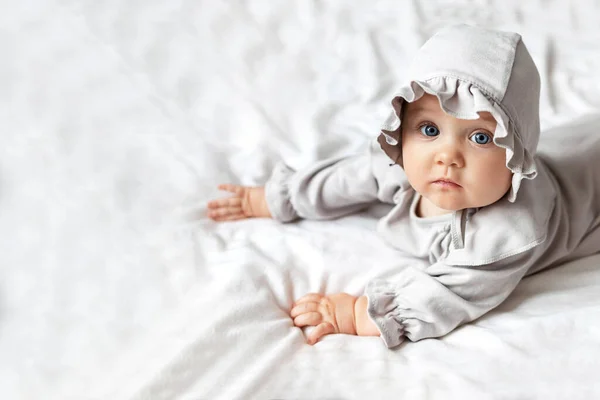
<point>450,155</point>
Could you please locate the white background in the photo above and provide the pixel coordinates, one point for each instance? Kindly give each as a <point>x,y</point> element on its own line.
<point>118,118</point>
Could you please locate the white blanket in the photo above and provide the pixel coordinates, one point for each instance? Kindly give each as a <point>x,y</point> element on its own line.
<point>118,120</point>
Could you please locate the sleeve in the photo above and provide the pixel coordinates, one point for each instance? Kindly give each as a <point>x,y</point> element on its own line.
<point>334,187</point>
<point>431,302</point>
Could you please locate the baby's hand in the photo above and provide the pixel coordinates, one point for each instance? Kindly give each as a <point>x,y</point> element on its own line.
<point>330,314</point>
<point>248,202</point>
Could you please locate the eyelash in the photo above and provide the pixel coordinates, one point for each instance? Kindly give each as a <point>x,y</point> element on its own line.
<point>422,124</point>
<point>425,123</point>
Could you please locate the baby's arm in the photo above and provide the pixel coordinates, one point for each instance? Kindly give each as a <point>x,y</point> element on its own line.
<point>338,313</point>
<point>328,189</point>
<point>418,303</point>
<point>430,302</point>
<point>335,187</point>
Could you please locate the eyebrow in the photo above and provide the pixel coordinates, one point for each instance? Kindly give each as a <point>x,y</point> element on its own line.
<point>420,107</point>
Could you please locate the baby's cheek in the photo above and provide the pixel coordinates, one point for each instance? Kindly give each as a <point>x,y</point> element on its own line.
<point>494,184</point>
<point>414,177</point>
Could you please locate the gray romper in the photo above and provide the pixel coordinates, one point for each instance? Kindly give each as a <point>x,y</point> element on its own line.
<point>466,262</point>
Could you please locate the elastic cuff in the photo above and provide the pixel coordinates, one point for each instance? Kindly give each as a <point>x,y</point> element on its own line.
<point>277,194</point>
<point>392,331</point>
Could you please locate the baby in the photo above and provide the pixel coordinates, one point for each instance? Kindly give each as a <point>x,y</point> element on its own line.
<point>474,205</point>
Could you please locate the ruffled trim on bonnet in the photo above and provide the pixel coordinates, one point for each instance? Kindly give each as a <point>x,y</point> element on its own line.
<point>461,99</point>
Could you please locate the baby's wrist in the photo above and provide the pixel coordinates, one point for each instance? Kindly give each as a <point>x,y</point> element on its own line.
<point>344,313</point>
<point>364,325</point>
<point>260,207</point>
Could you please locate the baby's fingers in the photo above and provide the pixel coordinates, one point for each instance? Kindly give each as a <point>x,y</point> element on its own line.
<point>226,214</point>
<point>229,202</point>
<point>321,330</point>
<point>237,189</point>
<point>316,297</point>
<point>234,217</point>
<point>302,308</point>
<point>308,319</point>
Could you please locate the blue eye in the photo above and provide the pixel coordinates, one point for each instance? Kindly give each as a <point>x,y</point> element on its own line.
<point>430,130</point>
<point>481,138</point>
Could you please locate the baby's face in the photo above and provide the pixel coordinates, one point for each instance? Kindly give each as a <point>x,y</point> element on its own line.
<point>437,146</point>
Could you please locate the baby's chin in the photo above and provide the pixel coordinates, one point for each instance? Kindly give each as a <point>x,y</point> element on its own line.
<point>450,203</point>
<point>456,199</point>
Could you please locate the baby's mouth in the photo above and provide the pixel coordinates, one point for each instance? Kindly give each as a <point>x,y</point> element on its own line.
<point>445,182</point>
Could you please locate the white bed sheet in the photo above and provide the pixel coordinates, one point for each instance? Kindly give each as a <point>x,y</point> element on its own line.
<point>118,120</point>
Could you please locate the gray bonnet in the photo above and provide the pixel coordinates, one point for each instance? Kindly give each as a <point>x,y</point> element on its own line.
<point>473,69</point>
